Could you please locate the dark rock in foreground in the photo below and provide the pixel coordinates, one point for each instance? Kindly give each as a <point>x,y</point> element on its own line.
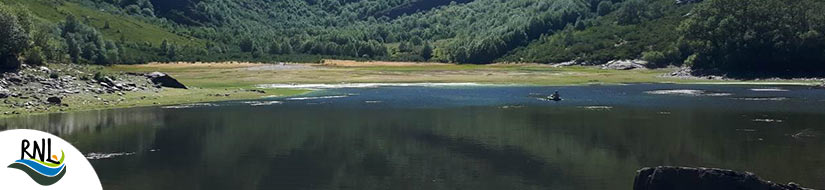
<point>164,80</point>
<point>684,178</point>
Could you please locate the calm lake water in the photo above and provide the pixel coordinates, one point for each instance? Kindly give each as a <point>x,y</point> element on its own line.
<point>454,137</point>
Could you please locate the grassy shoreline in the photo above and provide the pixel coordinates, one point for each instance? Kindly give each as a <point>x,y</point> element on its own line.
<point>165,97</point>
<point>210,82</point>
<point>241,74</point>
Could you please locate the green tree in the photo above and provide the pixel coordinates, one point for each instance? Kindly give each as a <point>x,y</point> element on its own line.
<point>164,47</point>
<point>633,12</point>
<point>14,39</point>
<point>416,41</point>
<point>74,49</point>
<point>247,45</point>
<point>427,51</point>
<point>404,47</point>
<point>172,52</point>
<point>286,48</point>
<point>34,56</point>
<point>49,45</point>
<point>605,7</point>
<point>275,48</point>
<point>655,57</point>
<point>774,37</point>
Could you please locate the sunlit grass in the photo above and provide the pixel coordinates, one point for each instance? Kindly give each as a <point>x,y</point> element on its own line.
<point>131,29</point>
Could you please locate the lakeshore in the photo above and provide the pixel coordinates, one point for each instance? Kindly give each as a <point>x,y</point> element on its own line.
<point>210,82</point>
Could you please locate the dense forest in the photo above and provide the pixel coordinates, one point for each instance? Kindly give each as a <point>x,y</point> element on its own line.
<point>774,37</point>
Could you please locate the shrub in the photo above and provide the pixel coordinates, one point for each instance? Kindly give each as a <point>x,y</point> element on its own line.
<point>99,76</point>
<point>655,57</point>
<point>632,12</point>
<point>85,44</point>
<point>34,56</point>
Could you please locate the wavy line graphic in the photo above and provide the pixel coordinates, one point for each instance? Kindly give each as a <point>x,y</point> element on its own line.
<point>41,172</point>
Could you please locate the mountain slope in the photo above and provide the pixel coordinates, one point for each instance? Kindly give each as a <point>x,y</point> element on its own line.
<point>464,31</point>
<point>605,38</point>
<point>132,29</point>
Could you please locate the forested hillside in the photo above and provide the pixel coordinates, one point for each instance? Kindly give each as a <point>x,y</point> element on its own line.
<point>463,31</point>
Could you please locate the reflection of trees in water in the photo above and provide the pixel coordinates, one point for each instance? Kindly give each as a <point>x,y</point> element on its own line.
<point>298,147</point>
<point>306,148</point>
<point>613,144</point>
<point>65,124</point>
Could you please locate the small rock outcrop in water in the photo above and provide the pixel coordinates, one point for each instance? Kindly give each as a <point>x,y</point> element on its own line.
<point>625,64</point>
<point>684,178</point>
<point>164,80</point>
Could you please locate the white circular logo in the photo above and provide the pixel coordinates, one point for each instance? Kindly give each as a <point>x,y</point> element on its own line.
<point>39,160</point>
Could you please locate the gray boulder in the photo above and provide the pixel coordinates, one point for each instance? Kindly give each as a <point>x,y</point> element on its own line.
<point>565,64</point>
<point>109,81</point>
<point>15,79</point>
<point>625,64</point>
<point>684,178</point>
<point>164,80</point>
<point>4,93</point>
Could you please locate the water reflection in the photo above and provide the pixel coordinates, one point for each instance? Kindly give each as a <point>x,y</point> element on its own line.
<point>446,138</point>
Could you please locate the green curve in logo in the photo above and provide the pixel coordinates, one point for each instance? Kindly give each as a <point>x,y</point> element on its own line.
<point>37,177</point>
<point>36,168</point>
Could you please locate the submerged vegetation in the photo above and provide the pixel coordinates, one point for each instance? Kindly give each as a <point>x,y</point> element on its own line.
<point>773,37</point>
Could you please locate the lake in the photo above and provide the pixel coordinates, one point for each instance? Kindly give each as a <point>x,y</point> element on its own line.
<point>481,137</point>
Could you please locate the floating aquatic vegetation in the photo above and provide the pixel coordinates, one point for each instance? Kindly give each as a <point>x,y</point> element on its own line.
<point>768,120</point>
<point>597,107</point>
<point>262,103</point>
<point>189,106</point>
<point>512,107</point>
<point>688,92</point>
<point>763,98</point>
<point>364,85</point>
<point>768,90</point>
<point>317,97</point>
<point>98,156</point>
<point>806,133</point>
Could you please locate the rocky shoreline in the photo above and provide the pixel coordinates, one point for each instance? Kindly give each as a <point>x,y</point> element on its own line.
<point>685,73</point>
<point>689,74</point>
<point>41,88</point>
<point>68,87</point>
